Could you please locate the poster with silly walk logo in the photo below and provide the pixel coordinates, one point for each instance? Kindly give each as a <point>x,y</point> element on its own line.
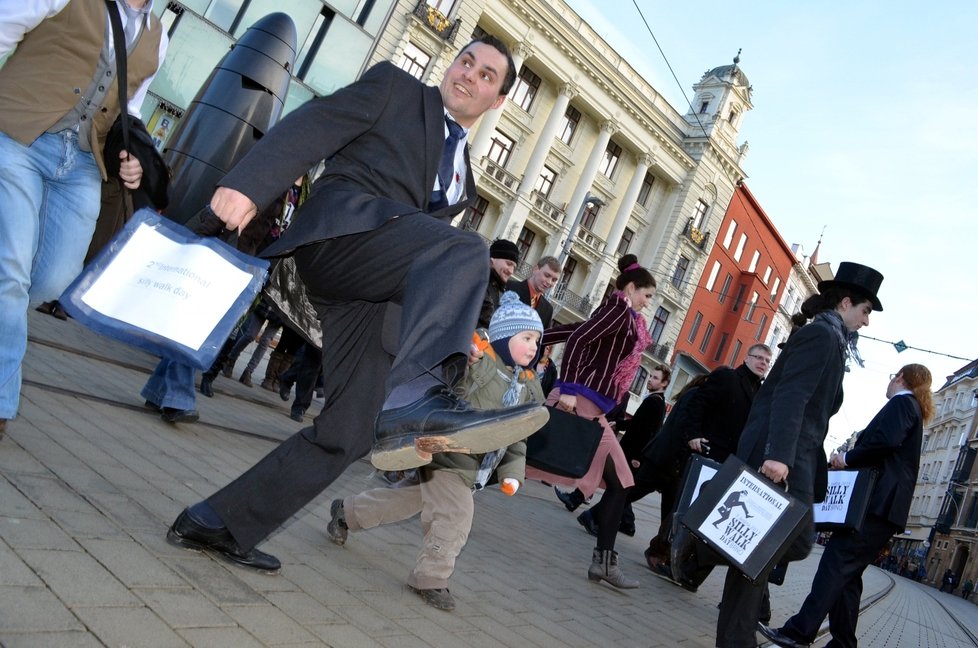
<point>846,500</point>
<point>745,517</point>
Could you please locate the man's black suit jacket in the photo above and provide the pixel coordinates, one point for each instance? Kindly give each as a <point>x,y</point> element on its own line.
<point>790,415</point>
<point>544,308</point>
<point>718,409</point>
<point>382,139</point>
<point>891,444</point>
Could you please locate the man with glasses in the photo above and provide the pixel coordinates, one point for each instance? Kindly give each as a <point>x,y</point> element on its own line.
<point>718,411</point>
<point>719,408</point>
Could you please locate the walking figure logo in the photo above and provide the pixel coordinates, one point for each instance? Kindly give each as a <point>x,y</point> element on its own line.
<point>732,501</point>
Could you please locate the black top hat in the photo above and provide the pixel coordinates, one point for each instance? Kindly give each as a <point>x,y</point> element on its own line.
<point>860,278</point>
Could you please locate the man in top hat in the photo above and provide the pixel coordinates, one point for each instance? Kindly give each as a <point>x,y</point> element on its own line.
<point>789,420</point>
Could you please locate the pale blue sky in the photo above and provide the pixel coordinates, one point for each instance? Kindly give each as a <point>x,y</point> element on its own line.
<point>864,122</point>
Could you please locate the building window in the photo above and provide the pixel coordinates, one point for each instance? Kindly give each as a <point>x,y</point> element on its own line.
<point>760,328</point>
<point>610,162</point>
<point>713,276</point>
<point>590,215</point>
<point>444,6</point>
<point>774,289</point>
<point>545,183</point>
<point>703,107</point>
<point>699,218</point>
<point>740,296</point>
<point>646,191</point>
<point>566,274</point>
<point>658,324</point>
<point>767,275</point>
<point>525,241</point>
<point>695,328</point>
<point>753,261</point>
<point>638,385</point>
<point>525,89</point>
<point>740,247</point>
<point>679,274</point>
<point>791,299</point>
<point>736,352</point>
<point>474,214</point>
<point>725,289</point>
<point>625,243</point>
<point>414,61</point>
<point>749,316</point>
<point>721,347</point>
<point>500,149</point>
<point>706,338</point>
<point>569,124</point>
<point>728,239</point>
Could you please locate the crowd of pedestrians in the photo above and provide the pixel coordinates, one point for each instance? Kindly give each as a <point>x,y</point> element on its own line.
<point>433,360</point>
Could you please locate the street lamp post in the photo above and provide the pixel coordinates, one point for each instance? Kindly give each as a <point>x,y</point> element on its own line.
<point>565,251</point>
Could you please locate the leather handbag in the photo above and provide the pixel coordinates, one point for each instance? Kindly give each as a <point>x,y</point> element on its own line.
<point>565,446</point>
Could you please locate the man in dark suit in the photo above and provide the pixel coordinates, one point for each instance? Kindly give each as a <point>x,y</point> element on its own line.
<point>789,420</point>
<point>719,408</point>
<point>891,445</point>
<point>533,289</point>
<point>396,287</point>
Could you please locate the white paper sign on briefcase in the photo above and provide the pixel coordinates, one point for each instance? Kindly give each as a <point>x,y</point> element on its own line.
<point>162,288</point>
<point>846,500</point>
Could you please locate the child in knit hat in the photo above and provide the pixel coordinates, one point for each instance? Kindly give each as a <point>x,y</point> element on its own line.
<point>443,496</point>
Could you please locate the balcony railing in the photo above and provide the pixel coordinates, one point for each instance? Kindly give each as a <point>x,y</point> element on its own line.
<point>660,352</point>
<point>503,179</point>
<point>589,240</point>
<point>697,237</point>
<point>568,299</point>
<point>547,208</point>
<point>436,21</point>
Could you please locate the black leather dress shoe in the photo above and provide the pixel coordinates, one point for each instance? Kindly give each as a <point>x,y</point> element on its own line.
<point>778,638</point>
<point>571,499</point>
<point>174,415</point>
<point>406,437</point>
<point>190,535</point>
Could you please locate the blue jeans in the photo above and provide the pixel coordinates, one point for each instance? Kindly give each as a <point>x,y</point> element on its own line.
<point>171,385</point>
<point>49,202</point>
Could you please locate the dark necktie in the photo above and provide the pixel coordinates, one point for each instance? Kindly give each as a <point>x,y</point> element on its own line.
<point>446,169</point>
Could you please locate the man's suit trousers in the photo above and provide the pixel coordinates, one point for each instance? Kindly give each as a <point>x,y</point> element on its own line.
<point>435,276</point>
<point>838,583</point>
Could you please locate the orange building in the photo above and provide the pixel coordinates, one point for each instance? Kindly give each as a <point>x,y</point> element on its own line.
<point>738,293</point>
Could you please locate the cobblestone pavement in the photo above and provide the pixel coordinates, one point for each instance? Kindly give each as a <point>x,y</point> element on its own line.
<point>89,481</point>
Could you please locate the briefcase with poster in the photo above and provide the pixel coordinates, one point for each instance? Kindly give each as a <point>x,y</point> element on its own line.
<point>746,518</point>
<point>699,470</point>
<point>846,500</point>
<point>160,287</point>
<point>565,446</point>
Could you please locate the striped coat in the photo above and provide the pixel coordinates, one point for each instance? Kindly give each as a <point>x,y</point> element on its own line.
<point>596,346</point>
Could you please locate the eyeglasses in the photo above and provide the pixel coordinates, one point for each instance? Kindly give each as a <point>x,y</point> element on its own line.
<point>759,357</point>
<point>892,376</point>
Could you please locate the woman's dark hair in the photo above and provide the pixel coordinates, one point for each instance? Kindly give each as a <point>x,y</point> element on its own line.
<point>829,298</point>
<point>631,272</point>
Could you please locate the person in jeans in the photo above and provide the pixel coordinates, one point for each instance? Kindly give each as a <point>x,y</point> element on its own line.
<point>51,142</point>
